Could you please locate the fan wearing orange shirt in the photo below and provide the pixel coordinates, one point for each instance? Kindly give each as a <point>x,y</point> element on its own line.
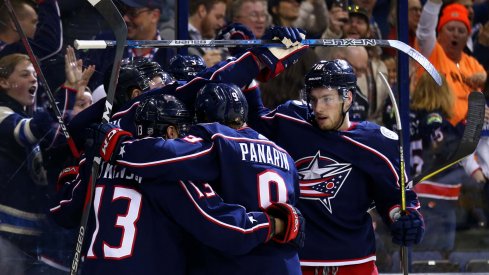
<point>445,51</point>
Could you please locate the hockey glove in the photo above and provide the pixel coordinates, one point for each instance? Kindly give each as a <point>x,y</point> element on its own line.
<point>407,229</point>
<point>235,31</point>
<point>276,59</point>
<point>295,223</point>
<point>107,138</point>
<point>66,175</point>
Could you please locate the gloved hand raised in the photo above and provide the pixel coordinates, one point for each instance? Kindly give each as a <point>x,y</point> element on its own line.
<point>235,31</point>
<point>287,35</point>
<point>293,224</point>
<point>407,228</point>
<point>276,59</point>
<point>106,140</point>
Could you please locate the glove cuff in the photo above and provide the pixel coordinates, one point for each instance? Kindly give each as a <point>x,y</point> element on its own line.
<point>111,141</point>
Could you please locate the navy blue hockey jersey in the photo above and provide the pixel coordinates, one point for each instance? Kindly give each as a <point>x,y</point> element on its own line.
<point>433,139</point>
<point>143,225</point>
<point>228,72</point>
<point>23,182</point>
<point>243,166</point>
<point>340,174</point>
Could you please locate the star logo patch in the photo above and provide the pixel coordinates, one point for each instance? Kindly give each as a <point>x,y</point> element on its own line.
<point>321,178</point>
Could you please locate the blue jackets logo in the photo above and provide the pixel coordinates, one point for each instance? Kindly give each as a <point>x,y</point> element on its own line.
<point>321,178</point>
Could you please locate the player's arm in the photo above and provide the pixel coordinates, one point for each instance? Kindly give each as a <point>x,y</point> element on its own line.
<point>407,228</point>
<point>189,158</point>
<point>226,227</point>
<point>71,188</point>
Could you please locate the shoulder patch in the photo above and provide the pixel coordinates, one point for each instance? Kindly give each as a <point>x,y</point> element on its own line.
<point>262,137</point>
<point>5,112</point>
<point>388,133</point>
<point>298,102</point>
<point>434,118</point>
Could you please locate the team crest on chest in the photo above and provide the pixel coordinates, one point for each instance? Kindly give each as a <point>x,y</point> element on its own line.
<point>321,178</point>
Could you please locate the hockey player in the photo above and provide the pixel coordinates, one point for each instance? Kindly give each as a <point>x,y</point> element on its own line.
<point>343,167</point>
<point>244,166</point>
<point>146,223</point>
<point>262,63</point>
<point>185,67</point>
<point>152,70</point>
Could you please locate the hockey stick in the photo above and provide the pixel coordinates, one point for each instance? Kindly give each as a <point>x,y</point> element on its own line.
<point>469,141</point>
<point>399,45</point>
<point>111,14</point>
<point>41,77</point>
<point>404,251</point>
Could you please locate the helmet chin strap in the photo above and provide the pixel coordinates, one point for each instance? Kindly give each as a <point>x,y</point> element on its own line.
<point>343,114</point>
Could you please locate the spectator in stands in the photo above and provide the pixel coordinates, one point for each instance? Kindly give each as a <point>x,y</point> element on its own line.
<point>481,45</point>
<point>291,81</point>
<point>368,6</point>
<point>414,13</point>
<point>284,12</point>
<point>433,138</point>
<point>251,13</point>
<point>391,64</point>
<point>206,19</point>
<point>23,178</point>
<point>337,18</point>
<point>45,40</point>
<point>80,21</point>
<point>42,25</point>
<point>445,51</point>
<point>141,17</point>
<point>313,17</point>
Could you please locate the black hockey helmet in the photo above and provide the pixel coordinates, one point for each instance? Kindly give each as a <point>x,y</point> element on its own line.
<point>129,78</point>
<point>221,102</point>
<point>151,69</point>
<point>186,67</point>
<point>336,73</point>
<point>154,114</point>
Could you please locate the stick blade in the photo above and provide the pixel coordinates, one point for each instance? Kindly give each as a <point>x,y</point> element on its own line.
<point>469,140</point>
<point>475,119</point>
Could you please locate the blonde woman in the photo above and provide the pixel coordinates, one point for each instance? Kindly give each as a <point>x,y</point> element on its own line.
<point>432,138</point>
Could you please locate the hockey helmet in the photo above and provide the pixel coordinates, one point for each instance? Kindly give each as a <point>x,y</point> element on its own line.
<point>151,69</point>
<point>129,78</point>
<point>186,67</point>
<point>221,102</point>
<point>336,73</point>
<point>155,114</point>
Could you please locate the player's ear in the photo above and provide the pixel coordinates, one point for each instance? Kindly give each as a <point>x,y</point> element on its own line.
<point>348,100</point>
<point>171,132</point>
